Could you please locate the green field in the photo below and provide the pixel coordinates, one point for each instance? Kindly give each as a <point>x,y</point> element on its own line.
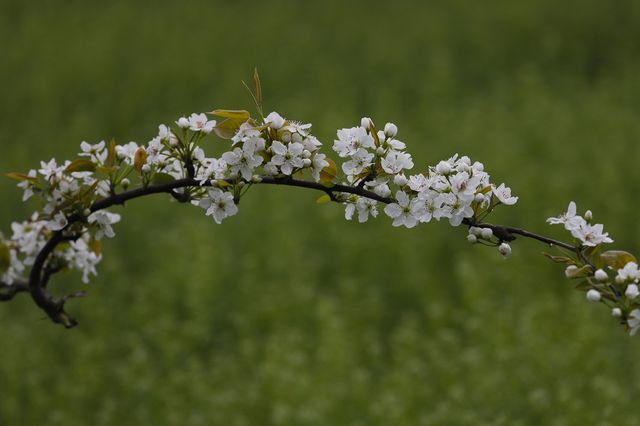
<point>287,314</point>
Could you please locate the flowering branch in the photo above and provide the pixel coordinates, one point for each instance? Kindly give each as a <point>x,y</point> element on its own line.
<point>66,232</point>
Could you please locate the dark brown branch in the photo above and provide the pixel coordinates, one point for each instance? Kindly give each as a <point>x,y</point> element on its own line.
<point>9,291</point>
<point>40,273</point>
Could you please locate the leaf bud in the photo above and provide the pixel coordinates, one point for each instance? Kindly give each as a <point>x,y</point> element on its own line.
<point>593,295</point>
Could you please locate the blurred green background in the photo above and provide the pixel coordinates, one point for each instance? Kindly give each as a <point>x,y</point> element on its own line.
<point>287,314</point>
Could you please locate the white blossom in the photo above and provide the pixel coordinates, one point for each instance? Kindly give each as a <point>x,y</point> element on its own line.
<point>401,212</point>
<point>288,157</point>
<point>200,123</point>
<point>218,204</point>
<point>504,195</point>
<point>103,221</point>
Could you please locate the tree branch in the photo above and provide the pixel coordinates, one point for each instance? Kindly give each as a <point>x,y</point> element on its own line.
<point>54,308</point>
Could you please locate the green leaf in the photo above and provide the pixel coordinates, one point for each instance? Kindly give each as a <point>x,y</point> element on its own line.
<point>81,165</point>
<point>5,258</point>
<point>585,271</point>
<point>329,173</point>
<point>374,133</point>
<point>258,94</point>
<point>583,285</point>
<point>21,177</point>
<point>228,128</point>
<point>560,259</point>
<point>324,199</point>
<point>616,259</point>
<point>111,153</point>
<point>162,178</point>
<point>235,114</point>
<point>140,159</point>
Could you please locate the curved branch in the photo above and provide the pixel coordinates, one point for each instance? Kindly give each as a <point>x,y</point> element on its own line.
<point>9,291</point>
<point>54,308</point>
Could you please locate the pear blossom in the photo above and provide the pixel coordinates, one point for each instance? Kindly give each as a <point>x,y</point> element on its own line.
<point>127,152</point>
<point>27,185</point>
<point>200,123</point>
<point>288,158</point>
<point>350,141</point>
<point>591,235</point>
<point>97,153</point>
<point>396,161</point>
<point>58,222</point>
<point>504,195</point>
<point>364,207</point>
<point>564,218</point>
<point>628,273</point>
<point>401,212</point>
<point>633,321</point>
<point>359,161</point>
<point>103,221</point>
<point>242,161</point>
<point>318,163</point>
<point>218,204</point>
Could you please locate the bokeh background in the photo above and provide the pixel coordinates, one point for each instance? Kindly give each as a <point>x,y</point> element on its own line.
<point>287,314</point>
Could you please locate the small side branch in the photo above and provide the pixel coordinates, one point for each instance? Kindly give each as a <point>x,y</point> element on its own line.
<point>9,291</point>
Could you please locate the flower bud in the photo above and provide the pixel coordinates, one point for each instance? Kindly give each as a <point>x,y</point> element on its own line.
<point>472,238</point>
<point>380,150</point>
<point>125,183</point>
<point>86,212</point>
<point>505,249</point>
<point>601,275</point>
<point>390,130</point>
<point>593,295</point>
<point>475,231</point>
<point>479,198</point>
<point>632,291</point>
<point>588,215</point>
<point>365,122</point>
<point>296,137</point>
<point>443,167</point>
<point>306,162</point>
<point>306,154</point>
<point>146,168</point>
<point>620,279</point>
<point>616,312</point>
<point>381,136</point>
<point>285,137</point>
<point>183,122</point>
<point>400,180</point>
<point>570,271</point>
<point>256,179</point>
<point>274,120</point>
<point>240,184</point>
<point>486,233</point>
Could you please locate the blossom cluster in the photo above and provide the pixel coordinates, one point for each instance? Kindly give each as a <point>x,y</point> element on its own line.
<point>375,169</point>
<point>581,227</point>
